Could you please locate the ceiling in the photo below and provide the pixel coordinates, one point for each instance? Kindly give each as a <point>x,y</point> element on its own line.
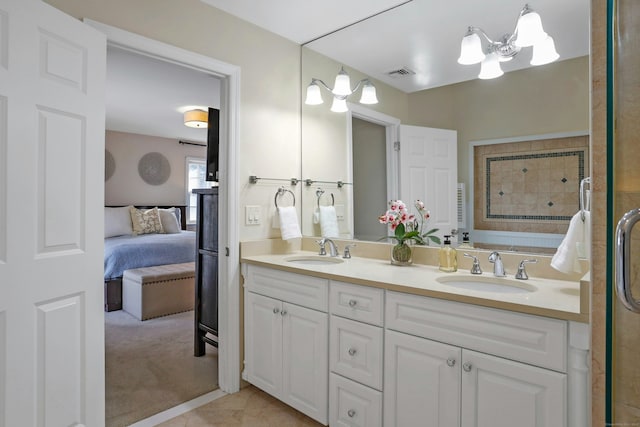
<point>147,96</point>
<point>421,35</point>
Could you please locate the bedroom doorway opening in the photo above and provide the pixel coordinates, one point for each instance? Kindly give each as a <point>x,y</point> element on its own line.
<point>156,333</point>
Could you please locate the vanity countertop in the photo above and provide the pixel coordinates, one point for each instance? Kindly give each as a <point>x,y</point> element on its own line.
<point>558,299</point>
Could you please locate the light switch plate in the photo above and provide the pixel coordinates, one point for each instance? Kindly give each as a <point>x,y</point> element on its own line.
<point>339,212</point>
<point>253,215</point>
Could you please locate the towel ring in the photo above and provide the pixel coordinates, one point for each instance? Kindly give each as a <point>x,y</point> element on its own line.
<point>320,192</point>
<point>280,192</point>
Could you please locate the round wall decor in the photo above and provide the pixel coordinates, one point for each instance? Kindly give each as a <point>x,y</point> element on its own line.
<point>109,165</point>
<point>154,168</point>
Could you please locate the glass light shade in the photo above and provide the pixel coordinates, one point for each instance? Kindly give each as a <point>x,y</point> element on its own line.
<point>342,86</point>
<point>368,93</point>
<point>196,119</point>
<point>529,29</point>
<point>339,105</point>
<point>490,67</point>
<point>544,52</point>
<point>471,50</point>
<point>314,97</point>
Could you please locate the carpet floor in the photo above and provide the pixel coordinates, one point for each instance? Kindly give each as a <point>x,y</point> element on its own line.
<point>150,367</point>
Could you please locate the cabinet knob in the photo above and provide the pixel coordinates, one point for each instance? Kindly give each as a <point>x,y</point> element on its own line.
<point>352,351</point>
<point>283,312</point>
<point>352,303</point>
<point>451,361</point>
<point>467,367</point>
<point>351,413</point>
<point>276,310</point>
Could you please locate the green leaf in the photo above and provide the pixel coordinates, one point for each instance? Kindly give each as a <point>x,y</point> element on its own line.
<point>400,232</point>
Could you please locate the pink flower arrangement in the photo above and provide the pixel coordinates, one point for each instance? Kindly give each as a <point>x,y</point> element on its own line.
<point>405,225</point>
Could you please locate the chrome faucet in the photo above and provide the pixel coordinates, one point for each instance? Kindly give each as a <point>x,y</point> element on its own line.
<point>522,272</point>
<point>475,268</point>
<point>498,267</point>
<point>333,248</point>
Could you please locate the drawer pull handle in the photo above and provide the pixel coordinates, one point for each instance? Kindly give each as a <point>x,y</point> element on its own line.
<point>283,312</point>
<point>467,367</point>
<point>276,310</point>
<point>351,413</point>
<point>352,303</point>
<point>352,351</point>
<point>451,361</point>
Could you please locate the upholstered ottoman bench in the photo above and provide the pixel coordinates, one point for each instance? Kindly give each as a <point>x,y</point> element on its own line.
<point>156,291</point>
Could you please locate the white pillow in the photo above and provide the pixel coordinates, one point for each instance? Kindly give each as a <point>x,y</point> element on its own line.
<point>117,222</point>
<point>169,220</point>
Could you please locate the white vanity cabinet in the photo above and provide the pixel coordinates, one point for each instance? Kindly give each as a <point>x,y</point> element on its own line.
<point>354,355</point>
<point>435,376</point>
<point>286,338</point>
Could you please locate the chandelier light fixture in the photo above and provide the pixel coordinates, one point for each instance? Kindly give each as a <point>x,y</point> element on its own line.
<point>528,32</point>
<point>341,91</point>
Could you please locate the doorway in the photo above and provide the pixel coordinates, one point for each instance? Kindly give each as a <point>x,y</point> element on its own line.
<point>228,293</point>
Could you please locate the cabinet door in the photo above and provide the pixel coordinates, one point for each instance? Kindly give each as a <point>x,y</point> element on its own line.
<point>502,393</point>
<point>305,360</point>
<point>263,342</point>
<point>421,382</point>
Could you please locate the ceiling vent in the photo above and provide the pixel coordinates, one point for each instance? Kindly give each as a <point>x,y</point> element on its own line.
<point>401,72</point>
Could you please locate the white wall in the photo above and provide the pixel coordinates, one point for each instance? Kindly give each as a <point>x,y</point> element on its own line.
<point>126,187</point>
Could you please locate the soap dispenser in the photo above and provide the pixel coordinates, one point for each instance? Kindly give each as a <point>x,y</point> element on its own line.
<point>448,257</point>
<point>466,242</point>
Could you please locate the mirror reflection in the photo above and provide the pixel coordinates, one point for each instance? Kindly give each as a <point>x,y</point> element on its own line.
<point>461,139</point>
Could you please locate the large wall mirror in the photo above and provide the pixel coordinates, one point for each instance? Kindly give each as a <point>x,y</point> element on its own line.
<point>529,114</point>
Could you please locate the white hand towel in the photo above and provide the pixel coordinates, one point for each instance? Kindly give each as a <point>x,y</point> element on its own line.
<point>316,216</point>
<point>329,222</point>
<point>289,227</point>
<point>575,245</point>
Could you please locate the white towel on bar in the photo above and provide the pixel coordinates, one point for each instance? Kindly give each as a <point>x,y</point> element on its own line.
<point>289,227</point>
<point>575,245</point>
<point>329,222</point>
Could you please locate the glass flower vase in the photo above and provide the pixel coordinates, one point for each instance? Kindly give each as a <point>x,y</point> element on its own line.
<point>401,254</point>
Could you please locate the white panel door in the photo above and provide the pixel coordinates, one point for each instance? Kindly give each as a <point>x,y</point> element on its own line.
<point>263,343</point>
<point>501,393</point>
<point>305,358</point>
<point>429,172</point>
<point>421,382</point>
<point>52,73</point>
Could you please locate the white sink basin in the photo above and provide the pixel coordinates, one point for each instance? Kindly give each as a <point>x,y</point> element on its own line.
<point>314,260</point>
<point>488,284</point>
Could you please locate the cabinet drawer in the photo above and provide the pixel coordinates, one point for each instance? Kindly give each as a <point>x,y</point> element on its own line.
<point>352,404</point>
<point>357,302</point>
<point>307,291</point>
<point>531,339</point>
<point>356,351</point>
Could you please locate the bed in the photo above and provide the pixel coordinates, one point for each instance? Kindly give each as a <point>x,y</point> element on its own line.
<point>157,236</point>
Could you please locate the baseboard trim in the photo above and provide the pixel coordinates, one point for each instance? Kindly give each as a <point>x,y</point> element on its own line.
<point>183,408</point>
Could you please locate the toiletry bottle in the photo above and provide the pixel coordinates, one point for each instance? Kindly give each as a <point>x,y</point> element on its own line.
<point>466,242</point>
<point>448,257</point>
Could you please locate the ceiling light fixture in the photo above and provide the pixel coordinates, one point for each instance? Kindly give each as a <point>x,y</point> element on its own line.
<point>341,91</point>
<point>528,32</point>
<point>196,119</point>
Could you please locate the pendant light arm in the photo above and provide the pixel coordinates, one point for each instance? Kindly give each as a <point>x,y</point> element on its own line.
<point>321,83</point>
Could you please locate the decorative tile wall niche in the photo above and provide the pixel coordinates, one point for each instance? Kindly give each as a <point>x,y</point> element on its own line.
<point>529,186</point>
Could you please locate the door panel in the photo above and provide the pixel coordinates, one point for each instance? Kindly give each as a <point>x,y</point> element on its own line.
<point>421,382</point>
<point>305,356</point>
<point>429,172</point>
<point>264,342</point>
<point>625,342</point>
<point>52,73</point>
<point>498,392</point>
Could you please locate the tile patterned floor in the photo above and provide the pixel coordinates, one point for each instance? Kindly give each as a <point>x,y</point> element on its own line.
<point>250,407</point>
